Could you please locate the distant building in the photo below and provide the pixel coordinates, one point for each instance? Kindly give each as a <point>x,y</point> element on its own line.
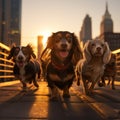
<point>107,22</point>
<point>40,46</point>
<point>113,39</point>
<point>86,29</point>
<point>107,32</point>
<point>10,22</point>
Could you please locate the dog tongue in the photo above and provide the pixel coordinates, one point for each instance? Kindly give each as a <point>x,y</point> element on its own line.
<point>63,53</point>
<point>21,64</point>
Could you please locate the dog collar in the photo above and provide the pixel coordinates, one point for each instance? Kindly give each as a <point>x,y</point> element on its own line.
<point>60,67</point>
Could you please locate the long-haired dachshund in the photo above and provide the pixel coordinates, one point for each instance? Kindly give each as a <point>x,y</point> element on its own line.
<point>109,73</point>
<point>63,52</point>
<point>25,68</point>
<point>90,69</point>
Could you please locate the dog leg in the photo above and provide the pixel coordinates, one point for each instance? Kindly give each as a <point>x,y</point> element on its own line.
<point>66,93</point>
<point>109,79</point>
<point>112,83</point>
<point>24,87</point>
<point>54,93</point>
<point>101,82</point>
<point>94,83</point>
<point>85,86</point>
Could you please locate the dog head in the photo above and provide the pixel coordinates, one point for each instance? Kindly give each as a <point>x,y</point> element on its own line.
<point>21,55</point>
<point>64,44</point>
<point>97,48</point>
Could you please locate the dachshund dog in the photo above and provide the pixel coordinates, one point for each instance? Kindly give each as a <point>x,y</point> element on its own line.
<point>25,68</point>
<point>109,73</point>
<point>96,54</point>
<point>63,51</point>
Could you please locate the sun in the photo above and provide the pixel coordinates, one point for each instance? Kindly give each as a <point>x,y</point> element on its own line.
<point>45,34</point>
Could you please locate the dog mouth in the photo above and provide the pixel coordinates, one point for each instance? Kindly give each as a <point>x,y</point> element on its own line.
<point>98,53</point>
<point>63,53</point>
<point>20,63</point>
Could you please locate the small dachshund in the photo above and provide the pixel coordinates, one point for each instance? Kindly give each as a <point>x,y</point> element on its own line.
<point>109,73</point>
<point>25,68</point>
<point>63,51</point>
<point>96,54</point>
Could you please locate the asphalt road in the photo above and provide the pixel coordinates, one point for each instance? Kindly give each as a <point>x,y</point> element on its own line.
<point>36,105</point>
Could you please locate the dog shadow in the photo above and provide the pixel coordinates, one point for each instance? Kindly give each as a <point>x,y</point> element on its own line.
<point>16,104</point>
<point>68,109</point>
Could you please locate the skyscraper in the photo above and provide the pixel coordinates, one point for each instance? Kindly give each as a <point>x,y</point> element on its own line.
<point>107,23</point>
<point>40,46</point>
<point>107,33</point>
<point>86,29</point>
<point>10,22</point>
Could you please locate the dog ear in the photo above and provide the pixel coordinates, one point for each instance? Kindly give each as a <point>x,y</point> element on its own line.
<point>50,41</point>
<point>86,51</point>
<point>11,52</point>
<point>107,54</point>
<point>77,52</point>
<point>31,51</point>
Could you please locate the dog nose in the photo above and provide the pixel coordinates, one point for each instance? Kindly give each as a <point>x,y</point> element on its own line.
<point>98,48</point>
<point>63,45</point>
<point>20,57</point>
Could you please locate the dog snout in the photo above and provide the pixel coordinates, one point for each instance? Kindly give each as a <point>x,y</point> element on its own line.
<point>98,49</point>
<point>64,45</point>
<point>20,57</point>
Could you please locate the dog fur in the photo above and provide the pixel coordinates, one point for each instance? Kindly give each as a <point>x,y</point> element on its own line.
<point>96,54</point>
<point>64,52</point>
<point>26,67</point>
<point>109,73</point>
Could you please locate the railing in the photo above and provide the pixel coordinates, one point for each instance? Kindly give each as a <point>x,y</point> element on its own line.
<point>117,52</point>
<point>6,66</point>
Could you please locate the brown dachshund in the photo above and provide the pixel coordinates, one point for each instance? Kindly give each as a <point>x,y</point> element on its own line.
<point>63,52</point>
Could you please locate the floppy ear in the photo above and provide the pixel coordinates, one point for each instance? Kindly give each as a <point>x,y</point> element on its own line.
<point>50,41</point>
<point>86,51</point>
<point>77,52</point>
<point>29,47</point>
<point>11,52</point>
<point>107,54</point>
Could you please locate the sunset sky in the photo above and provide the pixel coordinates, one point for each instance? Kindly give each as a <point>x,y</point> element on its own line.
<point>42,17</point>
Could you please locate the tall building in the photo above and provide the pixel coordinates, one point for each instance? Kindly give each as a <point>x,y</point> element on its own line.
<point>86,29</point>
<point>40,46</point>
<point>10,22</point>
<point>107,22</point>
<point>113,39</point>
<point>107,32</point>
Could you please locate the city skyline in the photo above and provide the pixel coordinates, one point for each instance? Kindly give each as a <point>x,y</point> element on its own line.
<point>44,17</point>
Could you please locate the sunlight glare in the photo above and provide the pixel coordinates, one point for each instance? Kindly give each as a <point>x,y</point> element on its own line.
<point>45,37</point>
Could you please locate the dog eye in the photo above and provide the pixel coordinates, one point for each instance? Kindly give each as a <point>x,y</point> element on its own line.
<point>57,39</point>
<point>25,51</point>
<point>69,39</point>
<point>16,51</point>
<point>92,44</point>
<point>102,45</point>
